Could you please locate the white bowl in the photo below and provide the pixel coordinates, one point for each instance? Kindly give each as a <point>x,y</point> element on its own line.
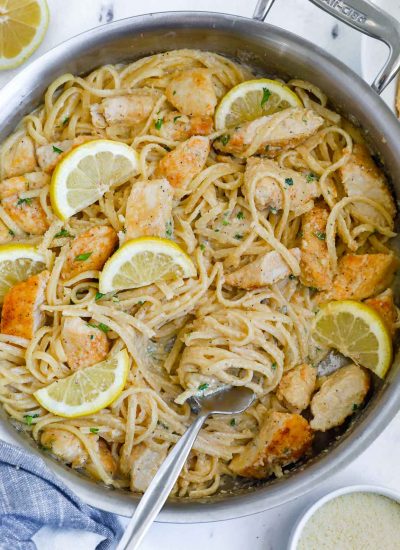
<point>299,526</point>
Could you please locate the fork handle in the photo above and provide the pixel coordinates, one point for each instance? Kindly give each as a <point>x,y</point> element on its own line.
<point>160,487</point>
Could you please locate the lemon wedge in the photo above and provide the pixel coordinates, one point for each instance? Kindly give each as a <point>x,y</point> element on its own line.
<point>143,261</point>
<point>23,24</point>
<point>357,331</point>
<point>87,172</point>
<point>87,390</point>
<point>17,263</point>
<point>253,99</point>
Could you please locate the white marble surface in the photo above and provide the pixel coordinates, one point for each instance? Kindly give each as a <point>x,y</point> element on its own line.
<point>379,464</point>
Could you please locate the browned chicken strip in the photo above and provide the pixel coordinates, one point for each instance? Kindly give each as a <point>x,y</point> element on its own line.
<point>275,186</point>
<point>283,438</point>
<point>89,251</point>
<point>276,133</point>
<point>179,127</point>
<point>50,155</point>
<point>360,276</point>
<point>22,159</point>
<point>145,463</point>
<point>65,445</point>
<point>296,387</point>
<point>266,270</point>
<point>192,92</point>
<point>21,315</point>
<point>338,397</point>
<point>84,344</point>
<point>315,266</point>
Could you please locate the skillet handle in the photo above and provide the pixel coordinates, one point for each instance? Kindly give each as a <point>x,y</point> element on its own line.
<point>365,17</point>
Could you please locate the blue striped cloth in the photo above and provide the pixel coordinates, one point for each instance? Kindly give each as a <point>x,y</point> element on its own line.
<point>31,496</point>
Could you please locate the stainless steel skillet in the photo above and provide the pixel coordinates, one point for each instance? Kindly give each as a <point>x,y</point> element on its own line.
<point>272,51</point>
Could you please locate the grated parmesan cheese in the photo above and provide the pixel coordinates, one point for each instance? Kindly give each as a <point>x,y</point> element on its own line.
<point>356,521</point>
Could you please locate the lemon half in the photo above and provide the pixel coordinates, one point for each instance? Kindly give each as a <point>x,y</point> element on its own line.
<point>143,261</point>
<point>23,24</point>
<point>87,172</point>
<point>87,390</point>
<point>253,99</point>
<point>357,331</point>
<point>18,262</point>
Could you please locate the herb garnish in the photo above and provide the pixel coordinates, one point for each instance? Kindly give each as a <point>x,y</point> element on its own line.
<point>311,177</point>
<point>273,210</point>
<point>232,422</point>
<point>57,149</point>
<point>289,181</point>
<point>63,233</point>
<point>176,118</point>
<point>238,236</point>
<point>65,121</point>
<point>265,97</point>
<point>203,387</point>
<point>321,235</point>
<point>100,326</point>
<point>99,296</point>
<point>292,277</point>
<point>273,366</point>
<point>94,430</point>
<point>24,201</point>
<point>11,232</point>
<point>225,138</point>
<point>159,122</point>
<point>240,215</point>
<point>29,418</point>
<point>168,228</point>
<point>83,257</point>
<point>355,406</point>
<point>202,247</point>
<point>225,222</point>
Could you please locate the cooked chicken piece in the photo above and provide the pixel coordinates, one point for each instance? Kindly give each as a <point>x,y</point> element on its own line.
<point>192,92</point>
<point>145,464</point>
<point>296,387</point>
<point>338,397</point>
<point>21,315</point>
<point>149,209</point>
<point>89,251</point>
<point>360,176</point>
<point>106,458</point>
<point>128,109</point>
<point>6,234</point>
<point>315,265</point>
<point>181,127</point>
<point>278,132</point>
<point>20,184</point>
<point>266,270</point>
<point>185,162</point>
<point>27,213</point>
<point>273,185</point>
<point>50,155</point>
<point>384,305</point>
<point>283,438</point>
<point>84,345</point>
<point>21,158</point>
<point>65,445</point>
<point>360,277</point>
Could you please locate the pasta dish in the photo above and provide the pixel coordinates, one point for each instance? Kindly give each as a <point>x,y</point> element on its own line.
<point>235,230</point>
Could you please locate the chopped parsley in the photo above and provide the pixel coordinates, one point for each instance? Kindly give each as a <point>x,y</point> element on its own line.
<point>168,229</point>
<point>202,247</point>
<point>57,150</point>
<point>94,430</point>
<point>273,366</point>
<point>289,181</point>
<point>240,215</point>
<point>355,406</point>
<point>62,233</point>
<point>311,177</point>
<point>11,232</point>
<point>174,92</point>
<point>321,235</point>
<point>238,236</point>
<point>273,210</point>
<point>99,296</point>
<point>24,201</point>
<point>140,303</point>
<point>83,257</point>
<point>292,277</point>
<point>265,97</point>
<point>65,121</point>
<point>203,387</point>
<point>177,118</point>
<point>91,337</point>
<point>225,222</point>
<point>300,234</point>
<point>313,289</point>
<point>225,138</point>
<point>29,418</point>
<point>100,326</point>
<point>266,148</point>
<point>232,422</point>
<point>159,122</point>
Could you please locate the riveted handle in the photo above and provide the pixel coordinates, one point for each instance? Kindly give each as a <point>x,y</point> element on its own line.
<point>366,18</point>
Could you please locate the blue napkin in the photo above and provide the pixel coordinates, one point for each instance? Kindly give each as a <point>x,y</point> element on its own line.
<point>31,496</point>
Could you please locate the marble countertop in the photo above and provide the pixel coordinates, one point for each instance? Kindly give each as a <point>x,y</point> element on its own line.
<point>269,530</point>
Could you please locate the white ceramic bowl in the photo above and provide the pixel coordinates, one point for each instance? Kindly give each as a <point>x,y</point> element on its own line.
<point>298,528</point>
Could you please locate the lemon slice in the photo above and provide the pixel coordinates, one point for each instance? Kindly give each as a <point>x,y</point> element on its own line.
<point>17,263</point>
<point>87,390</point>
<point>253,99</point>
<point>23,24</point>
<point>89,171</point>
<point>357,331</point>
<point>144,261</point>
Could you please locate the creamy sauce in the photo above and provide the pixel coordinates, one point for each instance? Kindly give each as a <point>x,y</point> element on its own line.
<point>357,521</point>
